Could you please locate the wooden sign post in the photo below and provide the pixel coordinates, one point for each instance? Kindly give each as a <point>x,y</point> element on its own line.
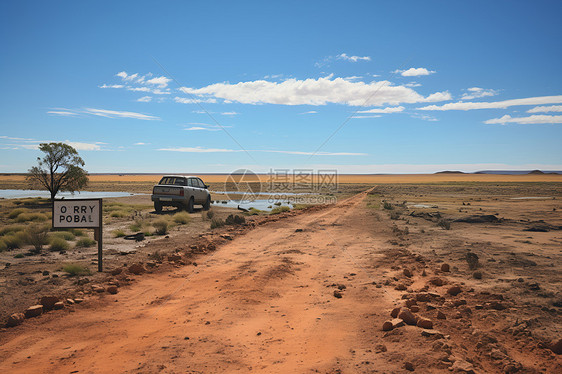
<point>83,214</point>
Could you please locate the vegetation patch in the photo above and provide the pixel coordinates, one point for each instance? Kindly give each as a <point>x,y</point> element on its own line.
<point>118,233</point>
<point>161,226</point>
<point>76,269</point>
<point>66,235</point>
<point>58,244</point>
<point>216,223</point>
<point>85,242</point>
<point>26,217</point>
<point>280,209</point>
<point>182,218</point>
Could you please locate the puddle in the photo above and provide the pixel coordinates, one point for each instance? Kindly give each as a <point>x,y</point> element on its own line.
<point>265,205</point>
<point>22,194</point>
<point>423,206</point>
<point>531,198</point>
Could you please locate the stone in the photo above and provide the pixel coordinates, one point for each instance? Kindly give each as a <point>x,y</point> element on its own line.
<point>445,268</point>
<point>414,308</point>
<point>423,297</point>
<point>407,272</point>
<point>78,300</point>
<point>116,271</point>
<point>387,326</point>
<point>395,312</point>
<point>458,303</point>
<point>15,319</point>
<point>409,366</point>
<point>211,247</point>
<point>454,290</point>
<point>70,301</point>
<point>477,274</point>
<point>379,348</point>
<point>400,287</point>
<point>497,305</point>
<point>337,294</point>
<point>174,258</point>
<point>429,306</point>
<point>432,333</point>
<point>48,302</point>
<point>407,316</point>
<point>34,311</point>
<point>436,281</point>
<point>137,269</point>
<point>462,366</point>
<point>425,323</point>
<point>58,305</point>
<point>441,315</point>
<point>112,289</point>
<point>410,302</point>
<point>556,347</point>
<point>46,272</point>
<point>496,354</point>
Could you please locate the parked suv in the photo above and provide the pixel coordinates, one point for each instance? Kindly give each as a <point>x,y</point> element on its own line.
<point>182,192</point>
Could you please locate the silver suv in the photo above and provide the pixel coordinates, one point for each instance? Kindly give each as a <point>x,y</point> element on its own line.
<point>182,192</point>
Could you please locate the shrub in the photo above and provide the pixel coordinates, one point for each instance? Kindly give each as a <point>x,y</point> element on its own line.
<point>76,269</point>
<point>16,240</point>
<point>3,245</point>
<point>444,224</point>
<point>119,214</point>
<point>85,242</point>
<point>235,220</point>
<point>253,211</point>
<point>210,214</point>
<point>181,218</point>
<point>58,244</point>
<point>216,223</point>
<point>386,205</point>
<point>280,209</point>
<point>118,233</point>
<point>472,259</point>
<point>26,217</point>
<point>37,236</point>
<point>137,226</point>
<point>16,212</point>
<point>394,215</point>
<point>277,203</point>
<point>19,255</point>
<point>11,229</point>
<point>161,226</point>
<point>77,232</point>
<point>66,235</point>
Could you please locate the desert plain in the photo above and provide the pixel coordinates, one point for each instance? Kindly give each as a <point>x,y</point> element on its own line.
<point>400,273</point>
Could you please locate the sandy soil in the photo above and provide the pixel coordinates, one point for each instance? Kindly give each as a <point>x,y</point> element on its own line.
<point>266,300</point>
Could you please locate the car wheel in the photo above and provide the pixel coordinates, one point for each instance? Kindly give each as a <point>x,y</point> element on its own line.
<point>207,204</point>
<point>189,207</point>
<point>157,207</point>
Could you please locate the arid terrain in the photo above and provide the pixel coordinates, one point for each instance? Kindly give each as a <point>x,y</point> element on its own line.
<point>473,264</point>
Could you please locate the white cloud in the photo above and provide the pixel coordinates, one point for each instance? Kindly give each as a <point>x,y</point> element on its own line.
<point>353,78</point>
<point>200,150</point>
<point>223,150</point>
<point>477,92</point>
<point>540,100</point>
<point>141,143</point>
<point>545,109</point>
<point>310,112</point>
<point>531,120</point>
<point>139,89</point>
<point>319,91</point>
<point>198,126</point>
<point>413,84</point>
<point>184,100</point>
<point>161,82</point>
<point>62,113</point>
<point>79,146</point>
<point>119,114</point>
<point>414,72</point>
<point>126,77</point>
<point>345,57</point>
<point>144,99</point>
<point>384,110</point>
<point>111,86</point>
<point>424,117</point>
<point>366,116</point>
<point>230,113</point>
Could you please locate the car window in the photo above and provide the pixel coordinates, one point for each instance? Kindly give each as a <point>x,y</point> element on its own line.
<point>180,182</point>
<point>201,184</point>
<point>190,182</point>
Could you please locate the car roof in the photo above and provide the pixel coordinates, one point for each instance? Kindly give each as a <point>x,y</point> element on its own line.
<point>179,176</point>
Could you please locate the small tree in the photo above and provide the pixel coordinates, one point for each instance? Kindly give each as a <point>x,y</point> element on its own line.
<point>60,169</point>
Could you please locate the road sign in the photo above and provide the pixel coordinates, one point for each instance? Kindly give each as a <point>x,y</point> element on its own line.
<point>81,213</point>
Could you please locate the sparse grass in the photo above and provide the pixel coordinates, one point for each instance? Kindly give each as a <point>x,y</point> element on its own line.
<point>444,224</point>
<point>235,220</point>
<point>394,215</point>
<point>85,242</point>
<point>76,269</point>
<point>3,246</point>
<point>161,226</point>
<point>58,244</point>
<point>37,236</point>
<point>77,232</point>
<point>210,214</point>
<point>280,209</point>
<point>11,229</point>
<point>16,212</point>
<point>386,205</point>
<point>118,233</point>
<point>137,225</point>
<point>66,235</point>
<point>253,212</point>
<point>19,255</point>
<point>182,218</point>
<point>16,240</point>
<point>26,217</point>
<point>216,223</point>
<point>119,214</point>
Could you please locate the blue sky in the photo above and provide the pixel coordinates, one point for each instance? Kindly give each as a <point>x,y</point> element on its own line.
<point>214,86</point>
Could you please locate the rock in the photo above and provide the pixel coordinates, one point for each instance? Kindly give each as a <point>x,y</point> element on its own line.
<point>409,366</point>
<point>15,319</point>
<point>34,311</point>
<point>423,297</point>
<point>337,294</point>
<point>497,305</point>
<point>116,271</point>
<point>137,269</point>
<point>425,323</point>
<point>78,300</point>
<point>174,258</point>
<point>436,281</point>
<point>424,274</point>
<point>429,306</point>
<point>556,347</point>
<point>400,287</point>
<point>112,289</point>
<point>458,303</point>
<point>58,305</point>
<point>407,316</point>
<point>432,333</point>
<point>462,367</point>
<point>48,302</point>
<point>387,326</point>
<point>496,354</point>
<point>45,273</point>
<point>97,288</point>
<point>211,247</point>
<point>441,315</point>
<point>410,302</point>
<point>454,290</point>
<point>445,268</point>
<point>70,301</point>
<point>407,272</point>
<point>414,308</point>
<point>379,348</point>
<point>395,312</point>
<point>477,274</point>
<point>392,324</point>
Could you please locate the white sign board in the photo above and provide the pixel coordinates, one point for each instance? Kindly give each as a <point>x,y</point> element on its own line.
<point>77,213</point>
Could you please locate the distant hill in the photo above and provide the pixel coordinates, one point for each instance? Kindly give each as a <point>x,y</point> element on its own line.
<point>450,172</point>
<point>519,172</point>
